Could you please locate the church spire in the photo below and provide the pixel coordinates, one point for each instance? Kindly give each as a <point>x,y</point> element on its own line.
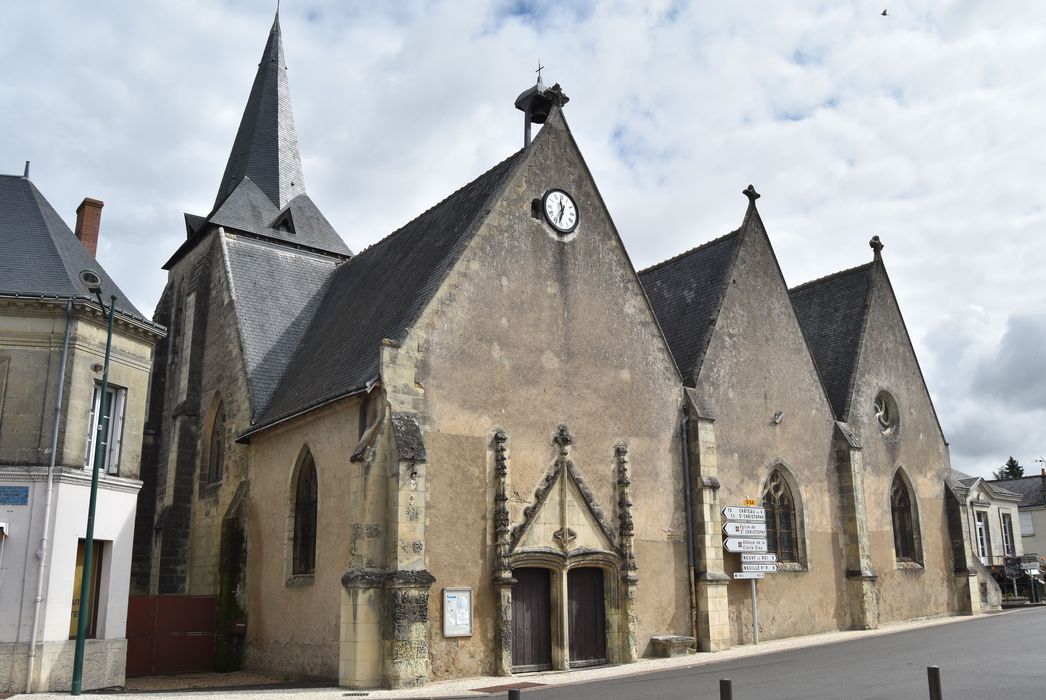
<point>266,145</point>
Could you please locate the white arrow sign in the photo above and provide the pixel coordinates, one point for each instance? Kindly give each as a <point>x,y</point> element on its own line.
<point>746,544</point>
<point>745,529</point>
<point>768,568</point>
<point>747,558</point>
<point>751,515</point>
<point>749,574</point>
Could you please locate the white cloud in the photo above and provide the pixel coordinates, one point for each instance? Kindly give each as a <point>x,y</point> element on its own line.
<point>922,127</point>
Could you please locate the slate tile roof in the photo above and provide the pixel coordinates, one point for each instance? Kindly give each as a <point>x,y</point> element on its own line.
<point>263,181</point>
<point>379,294</point>
<point>275,293</point>
<point>249,209</point>
<point>1032,489</point>
<point>686,293</point>
<point>266,145</point>
<point>832,312</point>
<point>40,255</point>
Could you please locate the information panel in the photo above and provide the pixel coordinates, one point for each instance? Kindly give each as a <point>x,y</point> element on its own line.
<point>457,612</point>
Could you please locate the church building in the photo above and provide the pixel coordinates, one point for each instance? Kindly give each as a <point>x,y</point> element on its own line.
<point>486,445</point>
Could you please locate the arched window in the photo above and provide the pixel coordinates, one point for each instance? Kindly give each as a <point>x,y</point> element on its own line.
<point>305,517</point>
<point>216,455</point>
<point>782,531</point>
<point>903,520</point>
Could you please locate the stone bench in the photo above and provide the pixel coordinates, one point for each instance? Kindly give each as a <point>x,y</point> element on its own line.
<point>671,645</point>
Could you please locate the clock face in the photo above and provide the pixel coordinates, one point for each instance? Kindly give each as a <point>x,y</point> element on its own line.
<point>561,211</point>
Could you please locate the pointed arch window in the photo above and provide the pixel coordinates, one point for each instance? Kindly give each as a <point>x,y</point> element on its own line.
<point>305,517</point>
<point>216,455</point>
<point>903,520</point>
<point>782,530</point>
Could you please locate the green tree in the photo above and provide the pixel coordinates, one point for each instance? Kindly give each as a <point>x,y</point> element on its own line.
<point>1011,470</point>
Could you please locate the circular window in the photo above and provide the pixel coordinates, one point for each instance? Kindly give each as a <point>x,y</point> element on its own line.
<point>885,412</point>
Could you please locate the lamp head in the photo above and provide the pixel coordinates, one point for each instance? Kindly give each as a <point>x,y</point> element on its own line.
<point>92,280</point>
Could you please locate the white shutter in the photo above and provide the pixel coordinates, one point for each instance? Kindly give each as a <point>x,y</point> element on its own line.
<point>116,430</point>
<point>92,428</point>
<point>1027,525</point>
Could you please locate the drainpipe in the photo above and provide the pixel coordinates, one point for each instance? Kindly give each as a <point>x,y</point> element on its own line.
<point>42,552</point>
<point>689,525</point>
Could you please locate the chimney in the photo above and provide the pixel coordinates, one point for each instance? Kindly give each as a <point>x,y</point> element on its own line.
<point>88,220</point>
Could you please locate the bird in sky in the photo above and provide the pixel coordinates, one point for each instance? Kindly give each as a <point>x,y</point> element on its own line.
<point>884,13</point>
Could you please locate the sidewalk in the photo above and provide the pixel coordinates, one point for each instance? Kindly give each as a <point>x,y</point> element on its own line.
<point>215,686</point>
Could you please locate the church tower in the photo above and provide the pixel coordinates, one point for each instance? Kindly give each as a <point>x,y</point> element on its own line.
<point>236,302</point>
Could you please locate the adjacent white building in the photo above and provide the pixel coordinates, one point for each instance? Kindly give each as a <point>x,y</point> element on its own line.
<point>52,346</point>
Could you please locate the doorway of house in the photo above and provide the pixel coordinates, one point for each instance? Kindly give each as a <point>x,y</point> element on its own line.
<point>587,623</point>
<point>531,620</point>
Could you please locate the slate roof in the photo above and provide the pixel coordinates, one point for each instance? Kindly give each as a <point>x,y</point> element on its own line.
<point>379,294</point>
<point>263,182</point>
<point>832,312</point>
<point>41,255</point>
<point>1032,489</point>
<point>275,294</point>
<point>266,145</point>
<point>686,293</point>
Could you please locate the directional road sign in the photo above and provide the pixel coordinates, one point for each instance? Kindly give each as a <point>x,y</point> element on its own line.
<point>751,515</point>
<point>749,574</point>
<point>745,544</point>
<point>766,568</point>
<point>749,558</point>
<point>744,529</point>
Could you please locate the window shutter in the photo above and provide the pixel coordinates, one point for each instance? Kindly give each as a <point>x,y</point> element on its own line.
<point>92,428</point>
<point>1027,525</point>
<point>116,428</point>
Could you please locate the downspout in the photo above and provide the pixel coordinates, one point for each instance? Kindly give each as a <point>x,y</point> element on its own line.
<point>689,524</point>
<point>42,552</point>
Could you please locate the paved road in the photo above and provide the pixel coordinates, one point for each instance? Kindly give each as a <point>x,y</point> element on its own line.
<point>999,656</point>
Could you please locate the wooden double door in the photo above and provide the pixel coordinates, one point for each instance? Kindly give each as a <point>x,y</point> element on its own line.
<point>532,618</point>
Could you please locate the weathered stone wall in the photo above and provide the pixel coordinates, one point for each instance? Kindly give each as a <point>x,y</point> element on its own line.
<point>757,364</point>
<point>193,379</point>
<point>530,330</point>
<point>294,622</point>
<point>887,363</point>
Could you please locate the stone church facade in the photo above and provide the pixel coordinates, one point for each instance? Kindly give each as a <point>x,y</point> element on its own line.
<point>491,405</point>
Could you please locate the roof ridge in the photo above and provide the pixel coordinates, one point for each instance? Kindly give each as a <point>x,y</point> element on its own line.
<point>405,226</point>
<point>691,251</point>
<point>831,276</point>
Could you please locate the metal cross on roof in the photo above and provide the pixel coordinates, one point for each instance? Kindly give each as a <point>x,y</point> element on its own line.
<point>538,71</point>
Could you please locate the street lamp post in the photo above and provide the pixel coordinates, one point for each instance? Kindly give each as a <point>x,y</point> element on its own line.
<point>93,281</point>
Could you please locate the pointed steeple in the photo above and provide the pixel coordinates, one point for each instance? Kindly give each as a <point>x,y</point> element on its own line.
<point>266,145</point>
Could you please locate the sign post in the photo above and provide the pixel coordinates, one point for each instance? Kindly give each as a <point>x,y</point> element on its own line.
<point>744,528</point>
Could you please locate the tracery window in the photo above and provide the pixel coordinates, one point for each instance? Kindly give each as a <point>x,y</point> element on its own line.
<point>305,517</point>
<point>782,533</point>
<point>903,520</point>
<point>886,413</point>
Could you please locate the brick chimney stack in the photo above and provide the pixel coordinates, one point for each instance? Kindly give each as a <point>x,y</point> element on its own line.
<point>88,221</point>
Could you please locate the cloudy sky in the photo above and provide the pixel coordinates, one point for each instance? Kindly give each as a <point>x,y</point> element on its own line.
<point>923,127</point>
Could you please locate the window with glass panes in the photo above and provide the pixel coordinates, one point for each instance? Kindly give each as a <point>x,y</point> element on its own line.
<point>111,416</point>
<point>781,530</point>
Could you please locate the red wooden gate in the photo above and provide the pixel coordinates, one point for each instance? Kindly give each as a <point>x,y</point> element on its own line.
<point>170,634</point>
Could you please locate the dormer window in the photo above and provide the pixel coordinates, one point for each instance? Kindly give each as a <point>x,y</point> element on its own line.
<point>284,222</point>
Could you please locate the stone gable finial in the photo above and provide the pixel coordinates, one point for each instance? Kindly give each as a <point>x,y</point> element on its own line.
<point>876,245</point>
<point>751,194</point>
<point>562,436</point>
